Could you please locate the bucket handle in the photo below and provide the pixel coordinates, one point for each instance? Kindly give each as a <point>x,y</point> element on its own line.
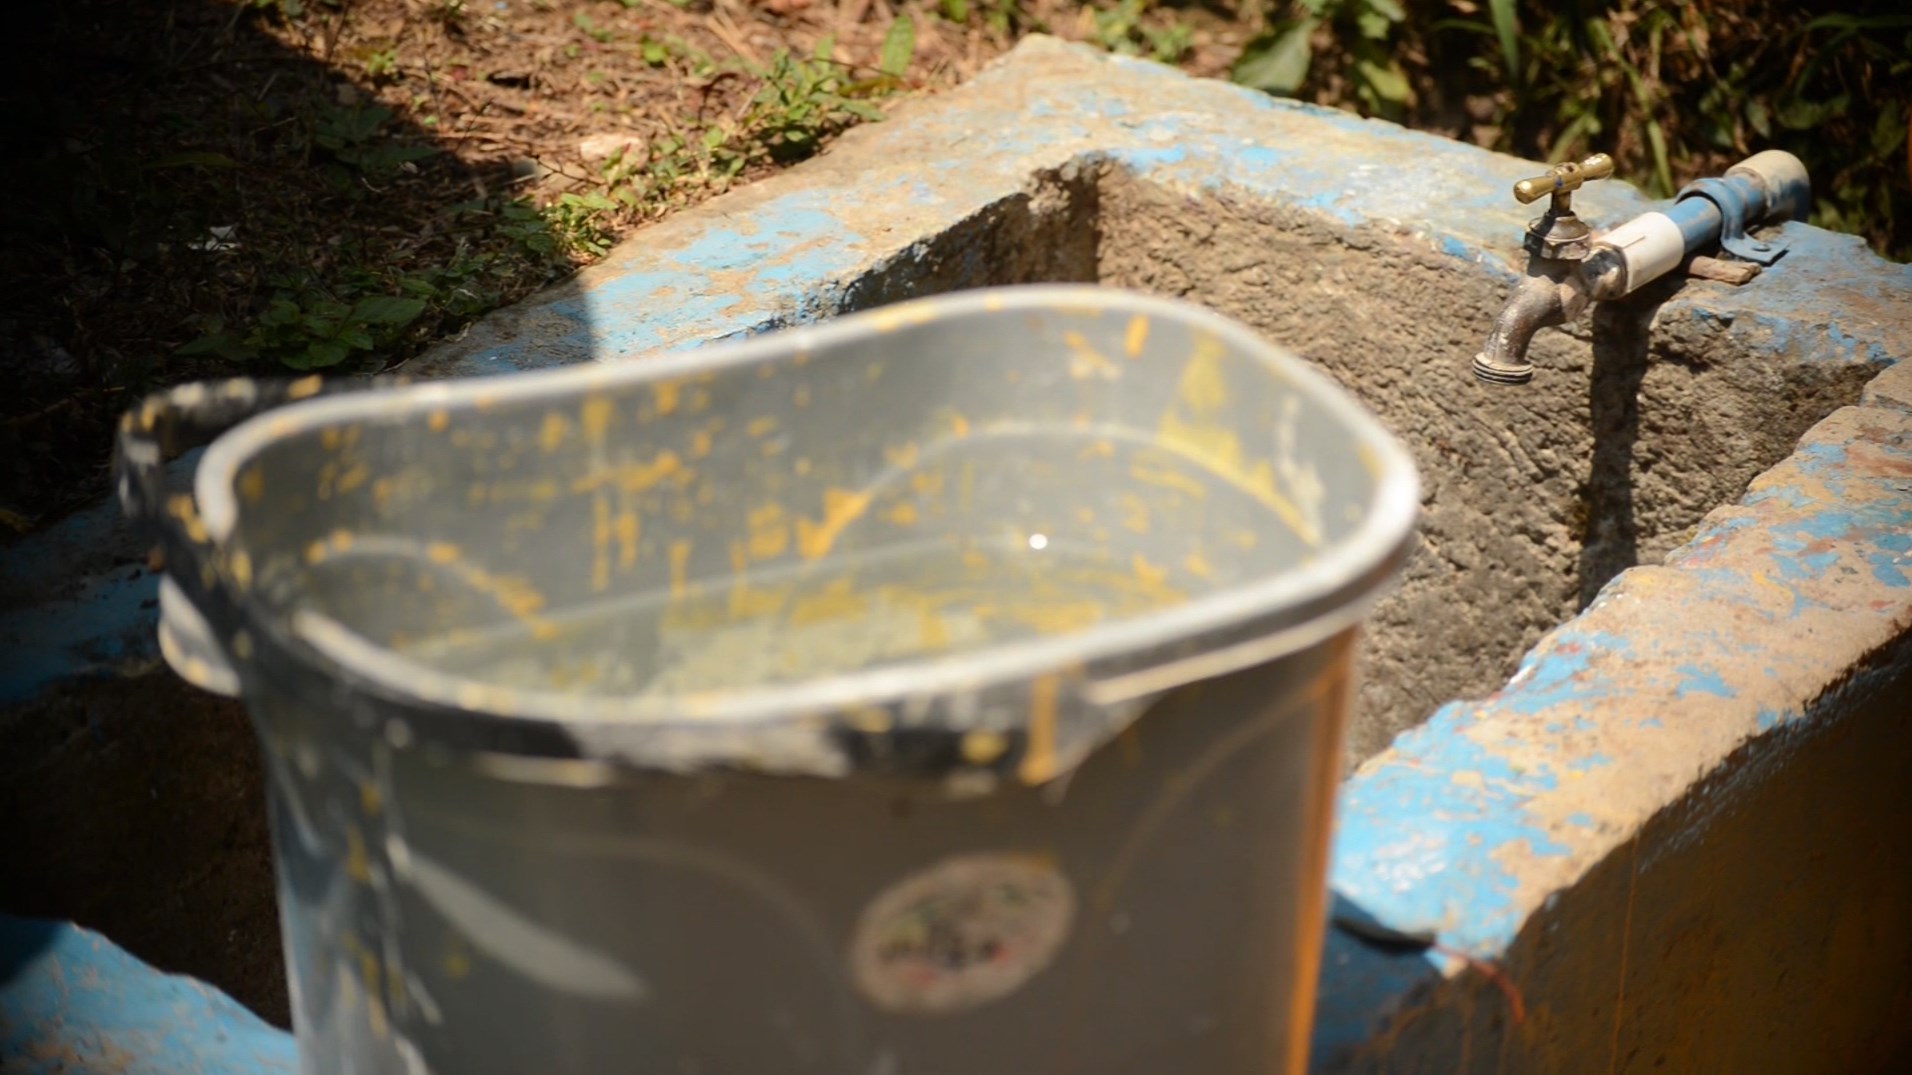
<point>199,595</point>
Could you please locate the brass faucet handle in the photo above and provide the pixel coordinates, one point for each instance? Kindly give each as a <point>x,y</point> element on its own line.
<point>1563,179</point>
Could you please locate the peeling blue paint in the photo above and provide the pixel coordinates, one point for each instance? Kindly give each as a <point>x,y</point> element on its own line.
<point>1815,458</point>
<point>618,333</point>
<point>1421,830</point>
<point>1588,762</point>
<point>1885,568</point>
<point>1785,494</point>
<point>1357,984</point>
<point>1697,680</point>
<point>1455,248</point>
<point>74,1002</point>
<point>1800,566</point>
<point>1556,673</point>
<point>76,602</point>
<point>1142,161</point>
<point>1581,820</point>
<point>106,627</point>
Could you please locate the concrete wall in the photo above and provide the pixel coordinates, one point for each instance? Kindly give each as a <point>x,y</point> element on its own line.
<point>1681,829</point>
<point>1533,497</point>
<point>1758,923</point>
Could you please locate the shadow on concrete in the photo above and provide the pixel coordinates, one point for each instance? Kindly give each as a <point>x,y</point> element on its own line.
<point>1364,972</point>
<point>1610,539</point>
<point>21,942</point>
<point>136,807</point>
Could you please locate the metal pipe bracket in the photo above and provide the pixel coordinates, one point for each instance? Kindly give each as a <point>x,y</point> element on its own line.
<point>1732,198</point>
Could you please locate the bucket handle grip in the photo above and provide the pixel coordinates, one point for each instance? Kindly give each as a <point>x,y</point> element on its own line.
<point>169,423</point>
<point>199,593</point>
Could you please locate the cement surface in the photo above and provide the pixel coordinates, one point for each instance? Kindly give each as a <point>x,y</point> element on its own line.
<point>1681,828</point>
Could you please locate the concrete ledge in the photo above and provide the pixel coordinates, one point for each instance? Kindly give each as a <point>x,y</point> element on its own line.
<point>1766,658</point>
<point>71,1001</point>
<point>1893,388</point>
<point>1634,735</point>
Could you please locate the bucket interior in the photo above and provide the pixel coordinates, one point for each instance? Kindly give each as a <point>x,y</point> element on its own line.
<point>934,487</point>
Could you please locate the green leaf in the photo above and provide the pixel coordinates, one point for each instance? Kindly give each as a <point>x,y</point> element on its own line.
<point>1387,9</point>
<point>359,124</point>
<point>317,355</point>
<point>1584,124</point>
<point>1759,118</point>
<point>386,310</point>
<point>1798,115</point>
<point>899,45</point>
<point>1888,133</point>
<point>954,10</point>
<point>1597,34</point>
<point>1373,25</point>
<point>1278,65</point>
<point>1662,171</point>
<point>1507,29</point>
<point>1385,82</point>
<point>281,311</point>
<point>224,344</point>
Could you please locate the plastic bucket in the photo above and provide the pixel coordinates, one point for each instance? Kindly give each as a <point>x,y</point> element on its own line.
<point>951,688</point>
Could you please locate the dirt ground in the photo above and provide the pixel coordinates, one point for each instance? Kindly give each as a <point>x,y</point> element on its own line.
<point>210,187</point>
<point>199,188</point>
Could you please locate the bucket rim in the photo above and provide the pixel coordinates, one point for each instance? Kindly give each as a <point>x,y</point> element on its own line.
<point>1328,592</point>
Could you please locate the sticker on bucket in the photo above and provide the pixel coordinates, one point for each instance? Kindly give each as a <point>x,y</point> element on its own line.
<point>961,933</point>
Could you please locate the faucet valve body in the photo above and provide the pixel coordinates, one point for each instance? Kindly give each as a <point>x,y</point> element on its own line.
<point>1559,234</point>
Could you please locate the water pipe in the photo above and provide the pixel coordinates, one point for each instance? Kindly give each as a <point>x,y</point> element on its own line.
<point>1569,267</point>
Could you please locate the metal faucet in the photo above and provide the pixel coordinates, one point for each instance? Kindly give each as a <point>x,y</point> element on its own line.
<point>1568,267</point>
<point>1554,292</point>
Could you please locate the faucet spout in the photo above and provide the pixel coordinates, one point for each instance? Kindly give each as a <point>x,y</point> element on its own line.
<point>1539,302</point>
